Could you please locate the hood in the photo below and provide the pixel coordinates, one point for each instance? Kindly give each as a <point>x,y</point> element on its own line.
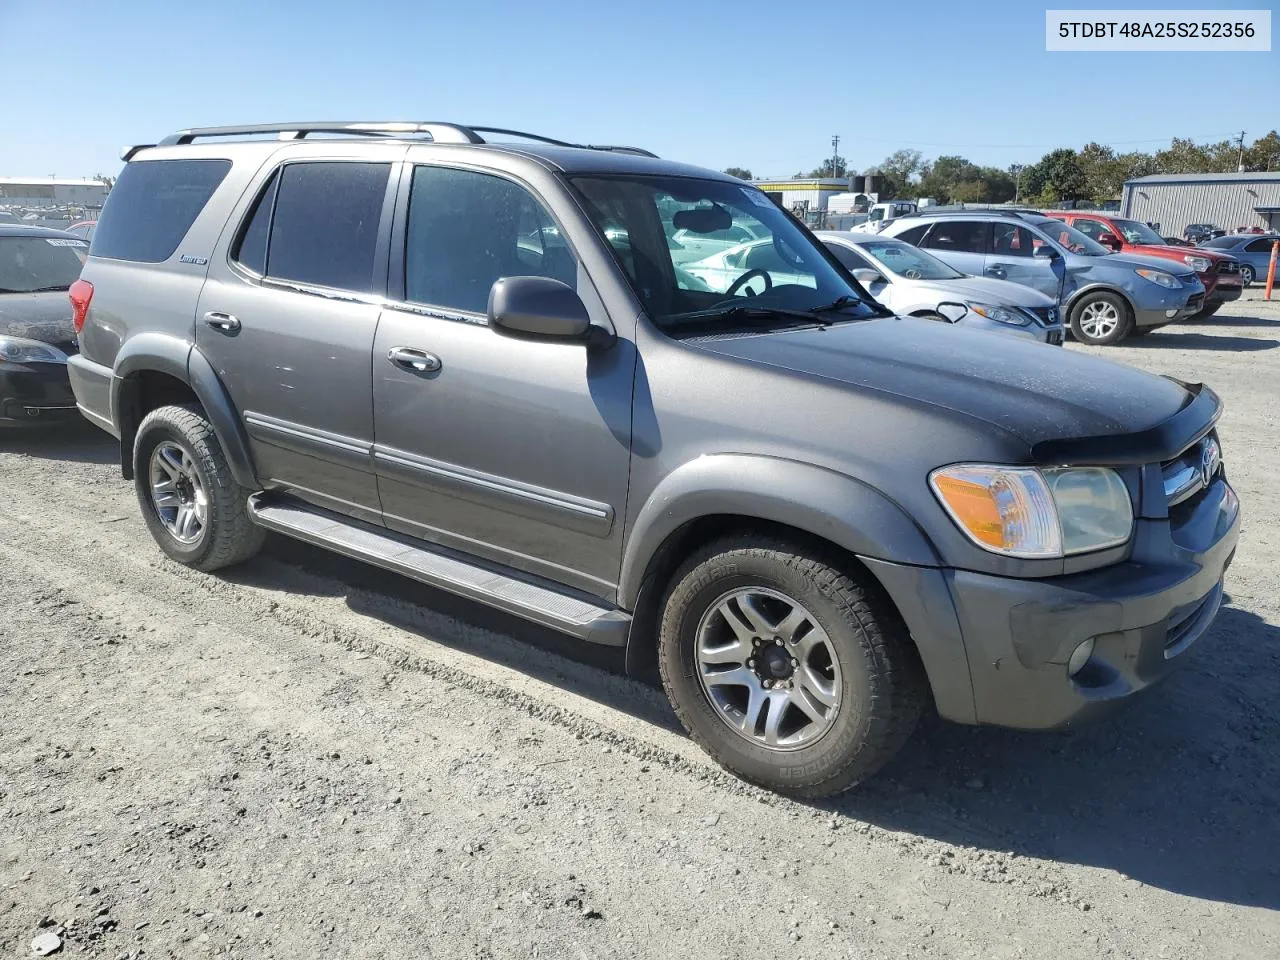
<point>44,316</point>
<point>1032,391</point>
<point>1168,252</point>
<point>987,290</point>
<point>1136,260</point>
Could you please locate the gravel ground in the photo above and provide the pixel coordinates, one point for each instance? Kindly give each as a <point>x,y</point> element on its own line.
<point>306,757</point>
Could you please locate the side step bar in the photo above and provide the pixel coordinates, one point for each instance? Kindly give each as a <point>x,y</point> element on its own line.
<point>510,591</point>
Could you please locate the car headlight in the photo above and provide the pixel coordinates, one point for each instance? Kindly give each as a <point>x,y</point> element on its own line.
<point>21,350</point>
<point>1034,513</point>
<point>1198,264</point>
<point>1010,315</point>
<point>1160,277</point>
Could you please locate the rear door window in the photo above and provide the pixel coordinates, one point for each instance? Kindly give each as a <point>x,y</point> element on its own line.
<point>849,259</point>
<point>958,236</point>
<point>1011,240</point>
<point>913,235</point>
<point>152,206</point>
<point>1260,246</point>
<point>323,224</point>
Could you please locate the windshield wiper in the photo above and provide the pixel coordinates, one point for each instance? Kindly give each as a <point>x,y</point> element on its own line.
<point>50,289</point>
<point>743,312</point>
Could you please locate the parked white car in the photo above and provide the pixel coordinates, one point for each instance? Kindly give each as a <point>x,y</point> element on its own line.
<point>910,281</point>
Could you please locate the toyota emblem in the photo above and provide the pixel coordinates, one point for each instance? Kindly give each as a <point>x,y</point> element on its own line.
<point>1210,461</point>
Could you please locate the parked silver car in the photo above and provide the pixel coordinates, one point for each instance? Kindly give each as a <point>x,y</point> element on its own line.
<point>911,282</point>
<point>1251,249</point>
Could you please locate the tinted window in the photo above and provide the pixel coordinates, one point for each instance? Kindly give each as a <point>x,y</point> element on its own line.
<point>846,256</point>
<point>1011,240</point>
<point>153,205</point>
<point>252,248</point>
<point>913,235</point>
<point>325,225</point>
<point>1092,229</point>
<point>467,230</point>
<point>959,236</point>
<point>1220,242</point>
<point>38,263</point>
<point>1260,246</point>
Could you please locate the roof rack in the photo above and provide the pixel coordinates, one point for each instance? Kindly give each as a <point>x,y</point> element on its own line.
<point>436,132</point>
<point>998,210</point>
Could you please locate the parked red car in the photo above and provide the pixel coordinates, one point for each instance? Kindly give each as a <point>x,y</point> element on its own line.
<point>1220,274</point>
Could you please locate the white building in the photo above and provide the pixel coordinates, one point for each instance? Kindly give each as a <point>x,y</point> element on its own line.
<point>1227,200</point>
<point>51,192</point>
<point>814,193</point>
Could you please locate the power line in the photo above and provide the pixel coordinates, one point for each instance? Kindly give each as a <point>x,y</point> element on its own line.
<point>1036,146</point>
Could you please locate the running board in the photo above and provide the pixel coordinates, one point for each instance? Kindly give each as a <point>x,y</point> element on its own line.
<point>516,594</point>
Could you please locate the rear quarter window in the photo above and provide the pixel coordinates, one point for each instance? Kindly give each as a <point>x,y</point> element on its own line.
<point>152,206</point>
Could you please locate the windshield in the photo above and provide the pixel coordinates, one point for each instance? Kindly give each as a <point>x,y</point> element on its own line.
<point>1072,239</point>
<point>28,264</point>
<point>1136,232</point>
<point>1221,242</point>
<point>908,261</point>
<point>689,246</point>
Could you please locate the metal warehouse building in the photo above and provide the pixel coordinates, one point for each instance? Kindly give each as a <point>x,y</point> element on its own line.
<point>51,192</point>
<point>1227,200</point>
<point>814,193</point>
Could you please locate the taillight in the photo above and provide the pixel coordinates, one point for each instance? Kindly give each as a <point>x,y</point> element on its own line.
<point>81,292</point>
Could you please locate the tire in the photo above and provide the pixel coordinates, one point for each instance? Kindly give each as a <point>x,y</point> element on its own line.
<point>199,479</point>
<point>1247,275</point>
<point>859,656</point>
<point>1106,314</point>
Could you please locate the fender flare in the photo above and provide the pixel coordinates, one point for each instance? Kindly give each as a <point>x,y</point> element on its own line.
<point>822,502</point>
<point>178,358</point>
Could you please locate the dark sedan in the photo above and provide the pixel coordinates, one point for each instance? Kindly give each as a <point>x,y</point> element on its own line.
<point>37,268</point>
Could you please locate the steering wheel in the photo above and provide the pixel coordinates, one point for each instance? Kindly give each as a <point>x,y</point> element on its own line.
<point>750,275</point>
<point>911,273</point>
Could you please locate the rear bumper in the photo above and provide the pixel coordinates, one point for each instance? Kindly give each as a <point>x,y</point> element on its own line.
<point>91,386</point>
<point>34,394</point>
<point>1222,293</point>
<point>1018,635</point>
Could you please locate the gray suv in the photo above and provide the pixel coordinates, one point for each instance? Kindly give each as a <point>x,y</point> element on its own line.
<point>475,364</point>
<point>1104,296</point>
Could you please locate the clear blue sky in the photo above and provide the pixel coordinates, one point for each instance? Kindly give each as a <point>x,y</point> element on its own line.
<point>746,83</point>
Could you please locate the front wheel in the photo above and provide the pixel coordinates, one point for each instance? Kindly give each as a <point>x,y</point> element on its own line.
<point>1101,319</point>
<point>785,668</point>
<point>1246,274</point>
<point>191,502</point>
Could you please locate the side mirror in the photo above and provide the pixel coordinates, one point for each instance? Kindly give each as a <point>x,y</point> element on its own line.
<point>866,276</point>
<point>1045,252</point>
<point>1109,240</point>
<point>537,307</point>
<point>952,312</point>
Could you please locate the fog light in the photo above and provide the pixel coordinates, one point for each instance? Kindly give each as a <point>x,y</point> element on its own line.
<point>1172,313</point>
<point>1079,657</point>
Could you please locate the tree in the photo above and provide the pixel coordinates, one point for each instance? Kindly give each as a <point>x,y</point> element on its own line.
<point>897,169</point>
<point>742,173</point>
<point>1184,156</point>
<point>839,169</point>
<point>1263,153</point>
<point>1060,171</point>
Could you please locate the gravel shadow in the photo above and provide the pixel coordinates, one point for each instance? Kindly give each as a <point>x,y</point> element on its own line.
<point>78,441</point>
<point>1202,341</point>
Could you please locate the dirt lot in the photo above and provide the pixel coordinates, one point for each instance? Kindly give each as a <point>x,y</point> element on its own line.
<point>305,757</point>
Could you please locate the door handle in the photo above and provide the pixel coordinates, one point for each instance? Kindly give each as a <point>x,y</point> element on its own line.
<point>995,270</point>
<point>222,321</point>
<point>417,360</point>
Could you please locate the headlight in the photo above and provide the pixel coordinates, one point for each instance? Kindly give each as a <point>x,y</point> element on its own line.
<point>1010,315</point>
<point>1160,277</point>
<point>1036,514</point>
<point>1198,264</point>
<point>20,350</point>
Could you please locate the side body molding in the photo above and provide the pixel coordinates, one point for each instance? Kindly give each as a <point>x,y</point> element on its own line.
<point>810,498</point>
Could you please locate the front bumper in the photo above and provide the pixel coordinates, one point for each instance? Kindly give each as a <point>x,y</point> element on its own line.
<point>1017,635</point>
<point>32,394</point>
<point>1159,306</point>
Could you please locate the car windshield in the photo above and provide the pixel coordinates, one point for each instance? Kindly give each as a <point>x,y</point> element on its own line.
<point>907,261</point>
<point>1136,232</point>
<point>28,264</point>
<point>1221,242</point>
<point>1072,239</point>
<point>699,250</point>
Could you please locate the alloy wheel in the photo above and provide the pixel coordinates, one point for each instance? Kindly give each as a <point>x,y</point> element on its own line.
<point>768,668</point>
<point>177,493</point>
<point>1099,319</point>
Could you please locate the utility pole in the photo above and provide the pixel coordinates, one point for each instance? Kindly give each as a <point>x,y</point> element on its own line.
<point>1016,169</point>
<point>1240,164</point>
<point>835,152</point>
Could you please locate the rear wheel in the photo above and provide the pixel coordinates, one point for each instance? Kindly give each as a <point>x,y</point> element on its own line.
<point>1101,319</point>
<point>191,502</point>
<point>787,669</point>
<point>1246,274</point>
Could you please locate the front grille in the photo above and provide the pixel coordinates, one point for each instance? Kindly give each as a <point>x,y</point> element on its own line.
<point>1192,470</point>
<point>1228,266</point>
